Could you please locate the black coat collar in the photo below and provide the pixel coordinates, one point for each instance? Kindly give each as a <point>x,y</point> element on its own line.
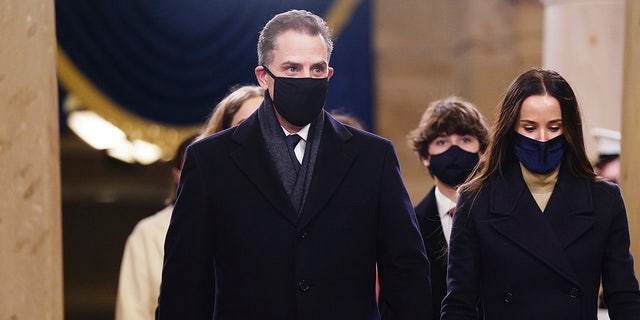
<point>334,159</point>
<point>568,215</point>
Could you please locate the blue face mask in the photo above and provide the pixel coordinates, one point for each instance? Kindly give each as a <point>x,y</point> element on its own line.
<point>539,157</point>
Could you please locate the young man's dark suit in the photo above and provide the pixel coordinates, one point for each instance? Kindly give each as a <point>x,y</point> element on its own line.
<point>436,247</point>
<point>233,218</point>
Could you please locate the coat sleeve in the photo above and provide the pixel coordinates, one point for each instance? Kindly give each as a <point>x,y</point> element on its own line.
<point>464,271</point>
<point>402,262</point>
<point>620,286</point>
<point>187,289</point>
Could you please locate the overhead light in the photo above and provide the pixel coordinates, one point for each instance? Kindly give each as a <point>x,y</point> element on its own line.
<point>145,152</point>
<point>94,130</point>
<point>103,135</point>
<point>122,152</point>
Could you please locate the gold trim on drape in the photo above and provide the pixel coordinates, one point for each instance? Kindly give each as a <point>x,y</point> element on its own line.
<point>166,137</point>
<point>340,14</point>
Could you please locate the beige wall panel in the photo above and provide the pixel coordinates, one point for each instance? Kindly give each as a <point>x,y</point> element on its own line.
<point>413,41</point>
<point>426,50</point>
<point>584,42</point>
<point>630,155</point>
<point>503,39</point>
<point>30,231</point>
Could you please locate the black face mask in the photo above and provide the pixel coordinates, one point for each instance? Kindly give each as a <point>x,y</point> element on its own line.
<point>453,166</point>
<point>538,157</point>
<point>299,100</point>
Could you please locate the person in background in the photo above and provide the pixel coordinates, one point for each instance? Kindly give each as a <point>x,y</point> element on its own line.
<point>286,215</point>
<point>608,163</point>
<point>535,230</point>
<point>141,266</point>
<point>450,138</point>
<point>347,119</point>
<point>239,104</point>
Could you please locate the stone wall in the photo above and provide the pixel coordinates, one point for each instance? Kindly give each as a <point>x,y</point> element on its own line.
<point>426,50</point>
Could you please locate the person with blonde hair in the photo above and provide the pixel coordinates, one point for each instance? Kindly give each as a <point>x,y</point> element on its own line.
<point>347,119</point>
<point>239,104</point>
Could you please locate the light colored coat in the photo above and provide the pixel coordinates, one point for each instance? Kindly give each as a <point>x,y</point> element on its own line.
<point>141,268</point>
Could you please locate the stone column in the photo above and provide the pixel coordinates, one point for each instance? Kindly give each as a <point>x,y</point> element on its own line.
<point>30,219</point>
<point>583,40</point>
<point>630,154</point>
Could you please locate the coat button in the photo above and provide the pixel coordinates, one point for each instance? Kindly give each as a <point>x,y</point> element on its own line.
<point>574,293</point>
<point>508,297</point>
<point>303,286</point>
<point>302,235</point>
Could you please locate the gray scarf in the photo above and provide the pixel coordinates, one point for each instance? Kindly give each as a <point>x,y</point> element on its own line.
<point>296,185</point>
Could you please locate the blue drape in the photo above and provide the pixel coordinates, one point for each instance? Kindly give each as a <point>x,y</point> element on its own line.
<point>171,61</point>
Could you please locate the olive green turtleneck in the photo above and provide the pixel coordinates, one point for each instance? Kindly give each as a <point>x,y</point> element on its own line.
<point>540,185</point>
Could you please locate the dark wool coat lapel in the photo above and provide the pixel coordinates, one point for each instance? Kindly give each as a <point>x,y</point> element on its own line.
<point>518,217</point>
<point>252,157</point>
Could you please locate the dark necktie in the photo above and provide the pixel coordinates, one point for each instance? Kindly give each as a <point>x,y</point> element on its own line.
<point>292,141</point>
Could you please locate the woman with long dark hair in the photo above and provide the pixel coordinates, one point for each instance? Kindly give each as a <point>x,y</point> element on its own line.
<point>535,229</point>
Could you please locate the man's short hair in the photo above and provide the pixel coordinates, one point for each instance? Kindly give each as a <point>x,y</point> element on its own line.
<point>296,20</point>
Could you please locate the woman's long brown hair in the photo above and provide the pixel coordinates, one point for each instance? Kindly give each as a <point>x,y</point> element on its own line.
<point>533,82</point>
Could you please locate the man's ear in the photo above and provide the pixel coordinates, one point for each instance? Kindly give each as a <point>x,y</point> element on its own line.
<point>425,161</point>
<point>261,76</point>
<point>175,174</point>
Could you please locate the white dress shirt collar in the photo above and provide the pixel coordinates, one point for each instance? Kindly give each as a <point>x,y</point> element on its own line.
<point>303,133</point>
<point>444,204</point>
<point>299,148</point>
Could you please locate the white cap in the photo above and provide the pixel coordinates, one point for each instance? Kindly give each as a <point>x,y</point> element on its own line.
<point>608,141</point>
